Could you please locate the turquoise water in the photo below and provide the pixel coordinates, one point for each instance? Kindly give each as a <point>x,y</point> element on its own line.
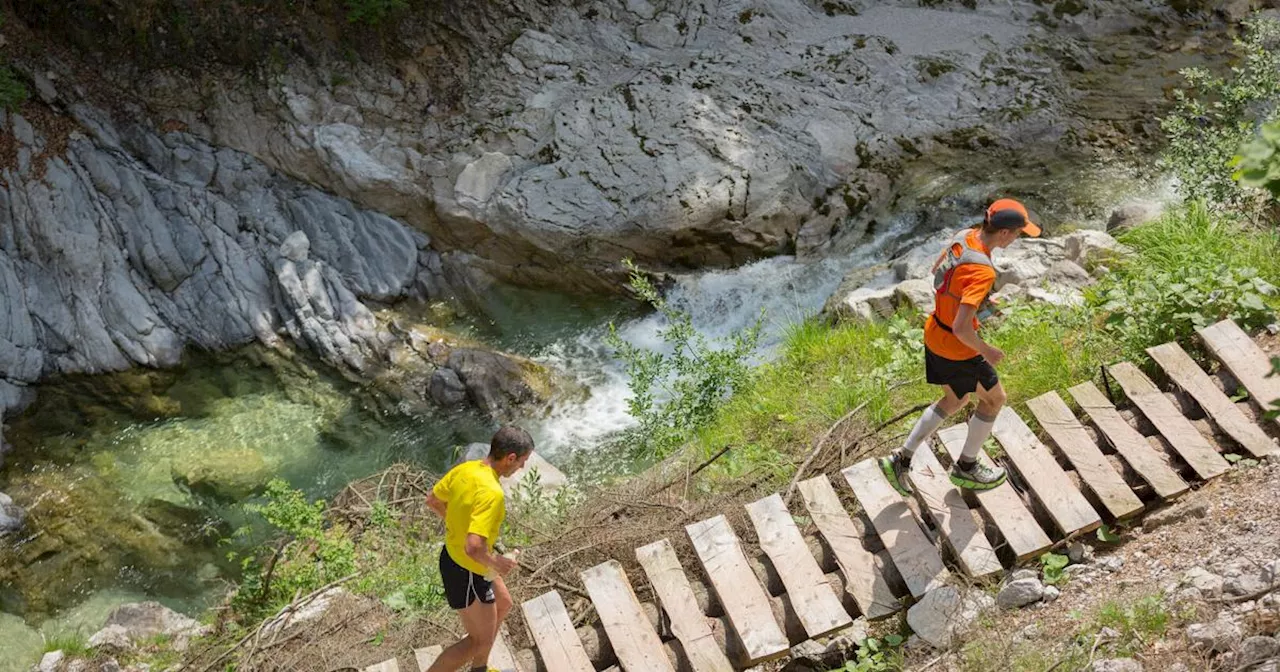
<point>133,481</point>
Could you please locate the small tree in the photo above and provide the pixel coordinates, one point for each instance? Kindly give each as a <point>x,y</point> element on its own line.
<point>1214,115</point>
<point>673,394</point>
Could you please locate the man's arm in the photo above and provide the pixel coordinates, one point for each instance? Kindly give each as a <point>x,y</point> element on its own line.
<point>438,505</point>
<point>963,329</point>
<point>478,550</point>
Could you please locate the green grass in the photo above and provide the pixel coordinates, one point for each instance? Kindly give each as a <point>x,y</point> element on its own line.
<point>825,371</point>
<point>70,644</point>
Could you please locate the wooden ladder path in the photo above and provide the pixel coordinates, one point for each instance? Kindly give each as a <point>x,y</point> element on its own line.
<point>941,526</point>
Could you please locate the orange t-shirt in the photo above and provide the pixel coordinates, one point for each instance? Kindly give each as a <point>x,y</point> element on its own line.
<point>971,283</point>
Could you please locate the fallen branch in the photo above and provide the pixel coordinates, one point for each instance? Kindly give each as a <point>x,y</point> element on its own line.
<point>706,463</point>
<point>817,448</point>
<point>1247,598</point>
<point>292,606</point>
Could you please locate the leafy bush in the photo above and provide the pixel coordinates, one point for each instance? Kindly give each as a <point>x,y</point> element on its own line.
<point>874,655</point>
<point>372,12</point>
<point>1214,116</point>
<point>12,91</point>
<point>1258,165</point>
<point>674,393</point>
<point>1053,564</point>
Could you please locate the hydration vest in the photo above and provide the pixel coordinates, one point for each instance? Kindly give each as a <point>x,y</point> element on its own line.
<point>945,270</point>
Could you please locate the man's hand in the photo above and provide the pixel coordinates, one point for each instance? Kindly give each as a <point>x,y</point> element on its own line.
<point>993,355</point>
<point>503,564</point>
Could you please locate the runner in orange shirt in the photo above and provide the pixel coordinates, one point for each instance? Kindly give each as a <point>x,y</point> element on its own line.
<point>955,356</point>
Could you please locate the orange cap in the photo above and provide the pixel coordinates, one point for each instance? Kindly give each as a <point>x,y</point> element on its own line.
<point>1007,213</point>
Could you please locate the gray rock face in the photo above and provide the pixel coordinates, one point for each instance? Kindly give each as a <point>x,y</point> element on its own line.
<point>1220,636</point>
<point>141,620</point>
<point>130,246</point>
<point>494,383</point>
<point>707,135</point>
<point>1019,593</point>
<point>446,388</point>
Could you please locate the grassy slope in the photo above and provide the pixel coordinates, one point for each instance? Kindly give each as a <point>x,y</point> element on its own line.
<point>826,371</point>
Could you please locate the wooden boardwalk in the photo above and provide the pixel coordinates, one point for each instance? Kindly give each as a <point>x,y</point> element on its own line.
<point>1040,505</point>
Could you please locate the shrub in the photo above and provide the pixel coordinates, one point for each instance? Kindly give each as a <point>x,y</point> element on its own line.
<point>12,91</point>
<point>677,391</point>
<point>1214,115</point>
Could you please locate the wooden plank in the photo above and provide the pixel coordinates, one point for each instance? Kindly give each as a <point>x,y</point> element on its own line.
<point>816,605</point>
<point>1002,506</point>
<point>427,656</point>
<point>1061,425</point>
<point>945,503</point>
<point>634,640</point>
<point>738,589</point>
<point>553,632</point>
<point>501,657</point>
<point>1130,444</point>
<point>1245,360</point>
<point>1184,372</point>
<point>1048,483</point>
<point>385,666</point>
<point>689,625</point>
<point>1179,431</point>
<point>917,560</point>
<point>863,575</point>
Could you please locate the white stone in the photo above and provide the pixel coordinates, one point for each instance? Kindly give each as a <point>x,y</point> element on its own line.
<point>1051,593</point>
<point>481,177</point>
<point>1116,665</point>
<point>50,661</point>
<point>1217,637</point>
<point>943,614</point>
<point>112,637</point>
<point>1019,593</point>
<point>1208,583</point>
<point>295,246</point>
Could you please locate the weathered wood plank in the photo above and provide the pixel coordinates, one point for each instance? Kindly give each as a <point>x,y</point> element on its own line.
<point>917,560</point>
<point>426,656</point>
<point>1184,372</point>
<point>1046,480</point>
<point>817,607</point>
<point>1061,425</point>
<point>553,632</point>
<point>738,589</point>
<point>942,500</point>
<point>637,645</point>
<point>1245,360</point>
<point>675,594</point>
<point>863,575</point>
<point>501,657</point>
<point>1175,428</point>
<point>385,666</point>
<point>1002,506</point>
<point>1131,445</point>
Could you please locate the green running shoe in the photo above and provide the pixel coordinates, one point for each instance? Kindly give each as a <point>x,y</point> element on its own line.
<point>980,476</point>
<point>897,469</point>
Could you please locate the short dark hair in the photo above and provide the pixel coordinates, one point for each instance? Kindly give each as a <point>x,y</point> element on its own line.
<point>510,440</point>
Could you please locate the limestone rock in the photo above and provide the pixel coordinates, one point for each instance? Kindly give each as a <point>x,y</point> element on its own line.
<point>1256,649</point>
<point>1019,593</point>
<point>1207,583</point>
<point>51,661</point>
<point>496,382</point>
<point>12,516</point>
<point>1220,636</point>
<point>1051,593</point>
<point>943,614</point>
<point>141,620</point>
<point>446,388</point>
<point>111,638</point>
<point>1129,215</point>
<point>1116,665</point>
<point>229,475</point>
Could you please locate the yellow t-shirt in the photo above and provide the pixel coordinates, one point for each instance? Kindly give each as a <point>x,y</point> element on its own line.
<point>476,506</point>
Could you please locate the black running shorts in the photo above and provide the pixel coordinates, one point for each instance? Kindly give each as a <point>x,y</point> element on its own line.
<point>461,585</point>
<point>963,376</point>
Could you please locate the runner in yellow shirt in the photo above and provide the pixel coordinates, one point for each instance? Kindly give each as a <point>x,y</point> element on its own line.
<point>472,503</point>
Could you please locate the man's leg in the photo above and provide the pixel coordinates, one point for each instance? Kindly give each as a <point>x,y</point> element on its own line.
<point>898,464</point>
<point>480,622</point>
<point>968,472</point>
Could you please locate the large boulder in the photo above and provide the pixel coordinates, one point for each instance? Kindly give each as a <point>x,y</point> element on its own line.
<point>496,382</point>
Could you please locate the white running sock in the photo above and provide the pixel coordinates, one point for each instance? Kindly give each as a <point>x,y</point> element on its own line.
<point>928,423</point>
<point>979,429</point>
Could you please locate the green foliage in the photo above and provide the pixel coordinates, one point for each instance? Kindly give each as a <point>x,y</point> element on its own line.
<point>12,91</point>
<point>1258,164</point>
<point>874,655</point>
<point>674,393</point>
<point>373,12</point>
<point>1106,535</point>
<point>70,644</point>
<point>1214,116</point>
<point>536,512</point>
<point>1052,564</point>
<point>1137,622</point>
